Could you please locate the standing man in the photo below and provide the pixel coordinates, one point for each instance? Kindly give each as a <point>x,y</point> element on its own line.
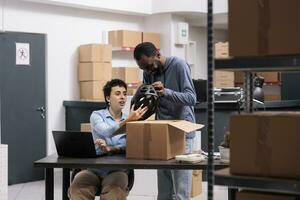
<point>171,77</point>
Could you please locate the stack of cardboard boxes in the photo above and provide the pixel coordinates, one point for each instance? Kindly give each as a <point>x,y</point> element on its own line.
<point>131,76</point>
<point>222,79</point>
<point>265,144</point>
<point>128,39</point>
<point>272,89</point>
<point>94,70</point>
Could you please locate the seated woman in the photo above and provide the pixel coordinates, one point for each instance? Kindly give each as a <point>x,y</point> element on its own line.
<point>104,123</point>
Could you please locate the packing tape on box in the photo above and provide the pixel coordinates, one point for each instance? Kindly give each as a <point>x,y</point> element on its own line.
<point>263,149</point>
<point>263,26</point>
<point>147,138</point>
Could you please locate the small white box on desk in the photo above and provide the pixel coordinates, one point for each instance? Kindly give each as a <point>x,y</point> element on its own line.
<point>3,172</point>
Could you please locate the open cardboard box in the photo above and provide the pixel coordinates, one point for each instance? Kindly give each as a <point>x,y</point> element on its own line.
<point>159,139</point>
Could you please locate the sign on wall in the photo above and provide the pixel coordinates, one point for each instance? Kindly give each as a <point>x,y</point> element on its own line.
<point>22,54</point>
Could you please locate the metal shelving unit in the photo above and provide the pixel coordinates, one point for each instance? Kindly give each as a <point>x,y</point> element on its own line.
<point>249,65</point>
<point>277,185</point>
<point>210,101</point>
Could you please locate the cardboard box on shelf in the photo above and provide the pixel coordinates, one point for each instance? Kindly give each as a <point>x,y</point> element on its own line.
<point>92,90</point>
<point>223,79</point>
<point>95,53</point>
<point>124,38</point>
<point>270,77</point>
<point>94,71</point>
<point>132,88</point>
<point>271,28</point>
<point>265,144</point>
<point>270,97</point>
<point>85,127</point>
<point>196,183</point>
<point>221,50</point>
<point>239,77</point>
<point>272,92</point>
<point>152,37</point>
<point>127,74</point>
<point>160,139</point>
<point>251,195</point>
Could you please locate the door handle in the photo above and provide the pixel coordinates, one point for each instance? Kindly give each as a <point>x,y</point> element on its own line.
<point>42,109</point>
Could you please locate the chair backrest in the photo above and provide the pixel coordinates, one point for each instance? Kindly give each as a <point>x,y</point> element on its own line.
<point>130,173</point>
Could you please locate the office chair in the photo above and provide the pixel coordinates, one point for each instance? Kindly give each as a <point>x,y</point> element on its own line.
<point>130,174</point>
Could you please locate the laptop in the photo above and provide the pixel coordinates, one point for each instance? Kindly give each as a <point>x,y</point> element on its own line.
<point>74,144</point>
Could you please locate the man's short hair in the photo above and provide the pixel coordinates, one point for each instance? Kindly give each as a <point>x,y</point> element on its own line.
<point>145,48</point>
<point>112,83</point>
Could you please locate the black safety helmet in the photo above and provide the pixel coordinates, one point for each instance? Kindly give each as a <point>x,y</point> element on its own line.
<point>145,96</point>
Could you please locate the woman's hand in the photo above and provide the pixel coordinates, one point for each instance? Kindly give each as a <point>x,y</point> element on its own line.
<point>137,114</point>
<point>102,145</point>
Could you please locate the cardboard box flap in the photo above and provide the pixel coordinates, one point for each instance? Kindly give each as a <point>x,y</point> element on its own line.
<point>183,125</point>
<point>186,126</point>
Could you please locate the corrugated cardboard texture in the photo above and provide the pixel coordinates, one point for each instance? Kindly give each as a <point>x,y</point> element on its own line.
<point>270,77</point>
<point>265,144</point>
<point>272,97</point>
<point>247,195</point>
<point>127,74</point>
<point>85,127</point>
<point>152,37</point>
<point>196,183</point>
<point>223,79</point>
<point>145,141</point>
<point>221,50</point>
<point>94,71</point>
<point>239,77</point>
<point>95,53</point>
<point>263,27</point>
<point>160,139</point>
<point>124,38</point>
<point>92,90</point>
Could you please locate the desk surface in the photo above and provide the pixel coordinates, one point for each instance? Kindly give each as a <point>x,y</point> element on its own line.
<point>223,177</point>
<point>119,161</point>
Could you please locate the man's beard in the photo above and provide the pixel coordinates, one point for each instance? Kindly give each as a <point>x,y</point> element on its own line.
<point>158,66</point>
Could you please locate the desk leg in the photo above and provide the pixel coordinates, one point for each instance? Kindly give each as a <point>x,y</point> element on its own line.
<point>49,184</point>
<point>66,183</point>
<point>231,193</point>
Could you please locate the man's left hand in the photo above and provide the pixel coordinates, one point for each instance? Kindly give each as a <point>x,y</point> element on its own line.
<point>159,87</point>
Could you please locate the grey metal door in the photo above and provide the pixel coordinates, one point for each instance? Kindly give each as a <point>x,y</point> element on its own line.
<point>22,104</point>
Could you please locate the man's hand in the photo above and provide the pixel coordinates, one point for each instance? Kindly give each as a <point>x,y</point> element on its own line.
<point>159,87</point>
<point>103,146</point>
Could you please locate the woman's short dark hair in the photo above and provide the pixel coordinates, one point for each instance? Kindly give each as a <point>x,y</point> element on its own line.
<point>145,48</point>
<point>112,83</point>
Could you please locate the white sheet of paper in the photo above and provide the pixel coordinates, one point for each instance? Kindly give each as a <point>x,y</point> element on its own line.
<point>22,54</point>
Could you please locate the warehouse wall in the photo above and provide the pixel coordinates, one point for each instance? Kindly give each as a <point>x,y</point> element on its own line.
<point>199,34</point>
<point>66,29</point>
